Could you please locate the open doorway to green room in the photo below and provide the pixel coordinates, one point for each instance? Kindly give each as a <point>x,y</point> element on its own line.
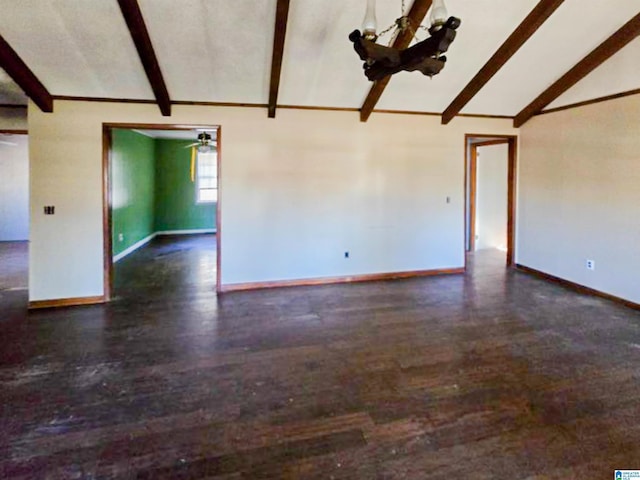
<point>494,194</point>
<point>161,207</point>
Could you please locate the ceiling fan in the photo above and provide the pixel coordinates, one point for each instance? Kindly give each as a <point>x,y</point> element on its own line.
<point>205,144</point>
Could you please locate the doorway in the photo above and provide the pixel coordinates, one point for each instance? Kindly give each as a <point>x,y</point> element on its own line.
<point>14,220</point>
<point>161,207</point>
<point>490,190</point>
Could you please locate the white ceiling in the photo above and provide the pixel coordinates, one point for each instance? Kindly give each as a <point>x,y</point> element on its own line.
<point>574,30</point>
<point>213,50</point>
<point>220,51</point>
<point>486,24</point>
<point>76,47</point>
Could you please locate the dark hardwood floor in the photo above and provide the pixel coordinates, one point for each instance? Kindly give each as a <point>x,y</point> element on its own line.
<point>490,375</point>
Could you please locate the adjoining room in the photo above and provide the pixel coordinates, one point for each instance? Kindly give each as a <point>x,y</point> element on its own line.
<point>163,198</point>
<point>490,192</point>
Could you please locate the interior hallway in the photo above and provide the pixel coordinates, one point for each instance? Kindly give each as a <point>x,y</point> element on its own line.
<point>493,374</point>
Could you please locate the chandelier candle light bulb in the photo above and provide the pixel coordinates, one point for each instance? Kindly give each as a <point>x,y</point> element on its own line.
<point>438,15</point>
<point>369,23</point>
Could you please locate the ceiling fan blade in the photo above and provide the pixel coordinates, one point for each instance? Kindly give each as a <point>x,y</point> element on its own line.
<point>192,145</point>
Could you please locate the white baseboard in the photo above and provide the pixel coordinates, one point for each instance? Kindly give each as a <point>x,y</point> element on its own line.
<point>186,232</point>
<point>133,247</point>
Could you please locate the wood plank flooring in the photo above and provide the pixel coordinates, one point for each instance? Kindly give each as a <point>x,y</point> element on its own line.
<point>493,374</point>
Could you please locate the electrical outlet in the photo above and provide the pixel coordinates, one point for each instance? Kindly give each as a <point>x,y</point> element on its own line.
<point>591,265</point>
<point>346,254</point>
<point>121,237</point>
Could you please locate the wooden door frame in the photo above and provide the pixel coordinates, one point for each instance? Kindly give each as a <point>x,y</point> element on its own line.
<point>107,205</point>
<point>470,187</point>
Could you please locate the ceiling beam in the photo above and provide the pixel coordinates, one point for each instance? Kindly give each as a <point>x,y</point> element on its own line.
<point>541,12</point>
<point>282,14</point>
<point>416,15</point>
<point>628,32</point>
<point>140,34</point>
<point>24,77</point>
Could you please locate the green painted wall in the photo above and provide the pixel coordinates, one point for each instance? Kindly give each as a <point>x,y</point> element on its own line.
<point>133,182</point>
<point>175,193</point>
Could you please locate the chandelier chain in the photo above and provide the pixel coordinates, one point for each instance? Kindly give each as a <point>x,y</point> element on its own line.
<point>387,30</point>
<point>396,25</point>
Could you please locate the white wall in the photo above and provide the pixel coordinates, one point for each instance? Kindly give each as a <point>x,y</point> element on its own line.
<point>579,196</point>
<point>296,192</point>
<point>14,188</point>
<point>491,196</point>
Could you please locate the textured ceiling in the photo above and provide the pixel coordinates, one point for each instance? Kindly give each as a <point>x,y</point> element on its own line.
<point>213,50</point>
<point>486,24</point>
<point>76,47</point>
<point>621,73</point>
<point>220,51</point>
<point>574,30</point>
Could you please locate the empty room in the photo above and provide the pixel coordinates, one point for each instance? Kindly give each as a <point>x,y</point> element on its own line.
<point>364,239</point>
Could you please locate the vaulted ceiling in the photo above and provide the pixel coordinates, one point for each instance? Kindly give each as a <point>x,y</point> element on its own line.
<point>222,51</point>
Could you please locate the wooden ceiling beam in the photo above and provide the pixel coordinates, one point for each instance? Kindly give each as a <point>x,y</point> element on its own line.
<point>628,32</point>
<point>416,15</point>
<point>541,12</point>
<point>140,34</point>
<point>282,15</point>
<point>11,62</point>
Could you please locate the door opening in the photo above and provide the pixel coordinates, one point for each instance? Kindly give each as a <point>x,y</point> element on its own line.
<point>490,183</point>
<point>161,207</point>
<point>14,220</point>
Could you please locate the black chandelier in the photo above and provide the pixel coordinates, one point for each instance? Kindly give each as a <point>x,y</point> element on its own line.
<point>425,56</point>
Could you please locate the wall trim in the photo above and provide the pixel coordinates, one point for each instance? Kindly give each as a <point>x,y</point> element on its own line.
<point>193,231</point>
<point>66,302</point>
<point>236,287</point>
<point>590,102</point>
<point>264,105</point>
<point>576,286</point>
<point>15,131</point>
<point>134,247</point>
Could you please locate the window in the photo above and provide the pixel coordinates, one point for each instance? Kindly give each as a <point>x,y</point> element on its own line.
<point>207,177</point>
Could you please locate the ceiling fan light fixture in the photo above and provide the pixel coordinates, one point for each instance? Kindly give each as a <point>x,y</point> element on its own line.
<point>369,24</point>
